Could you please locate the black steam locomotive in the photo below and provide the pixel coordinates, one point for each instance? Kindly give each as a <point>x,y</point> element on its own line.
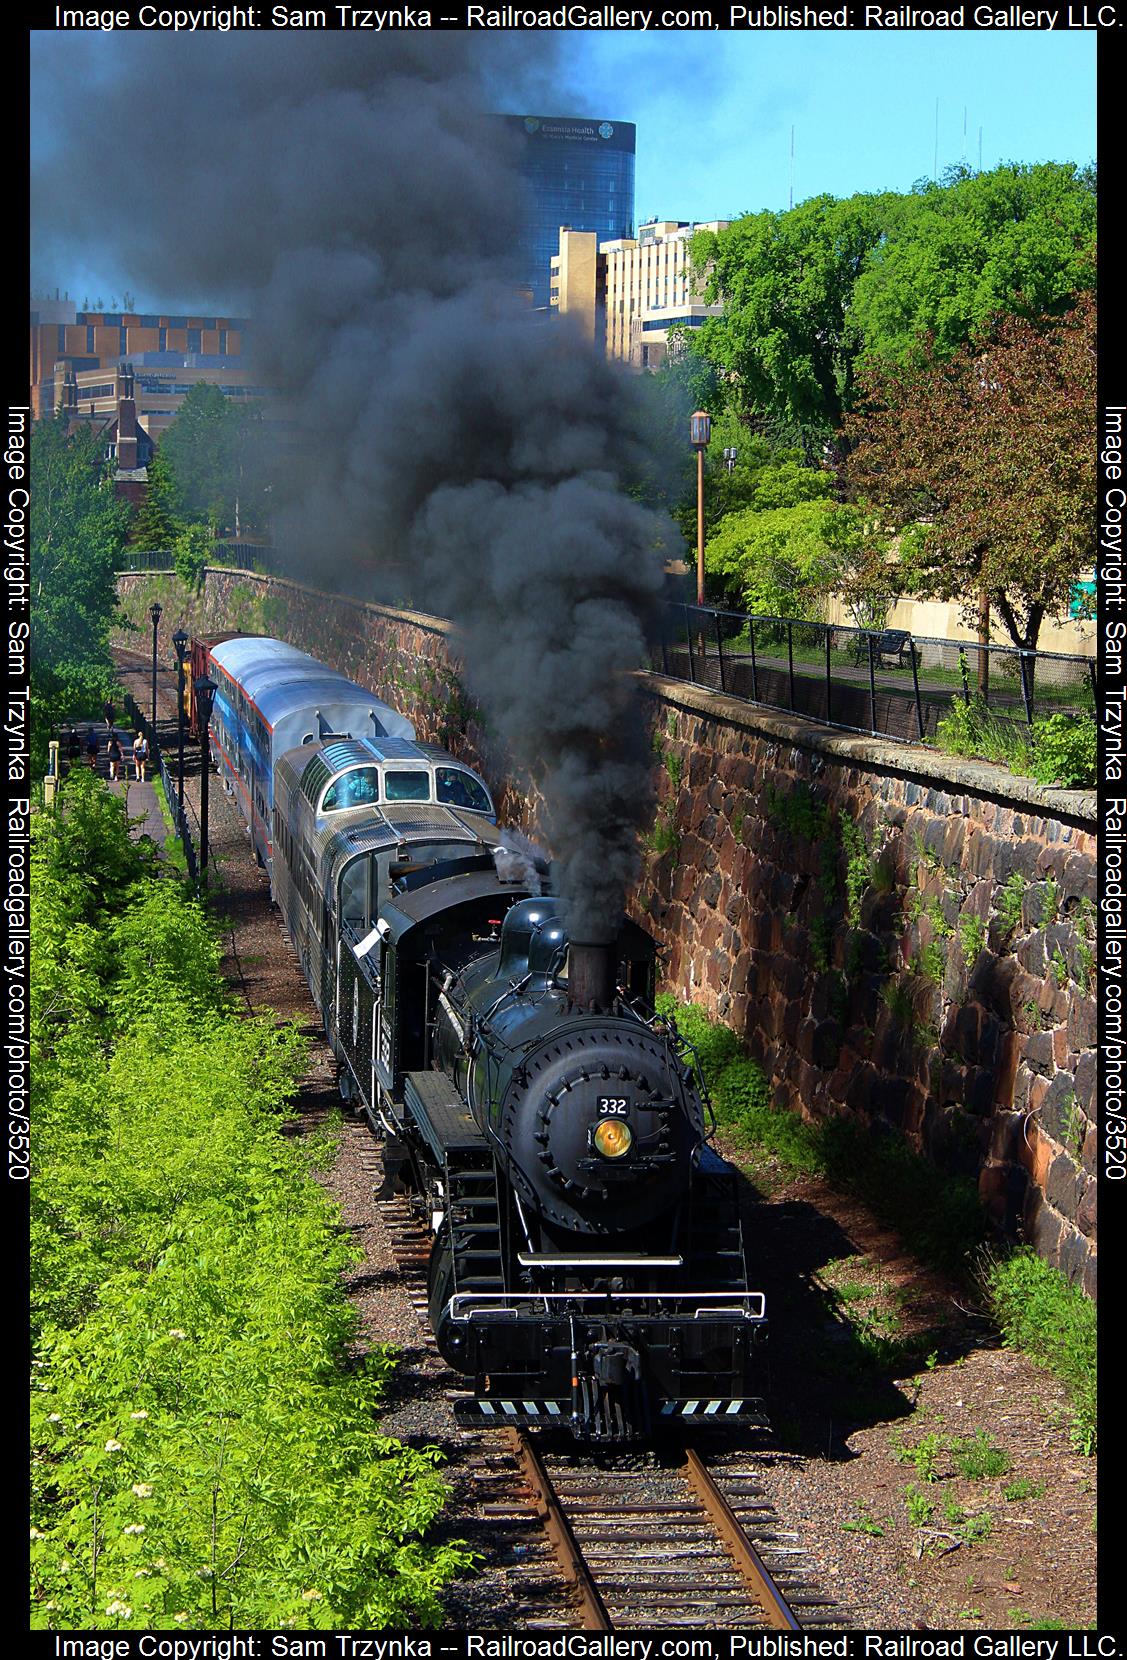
<point>588,1265</point>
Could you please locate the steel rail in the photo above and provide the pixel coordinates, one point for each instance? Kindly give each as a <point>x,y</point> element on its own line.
<point>558,1528</point>
<point>750,1564</point>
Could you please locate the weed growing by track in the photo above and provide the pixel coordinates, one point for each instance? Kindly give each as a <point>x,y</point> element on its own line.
<point>1039,1312</point>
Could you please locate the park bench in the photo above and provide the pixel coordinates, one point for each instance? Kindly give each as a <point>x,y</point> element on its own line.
<point>892,642</point>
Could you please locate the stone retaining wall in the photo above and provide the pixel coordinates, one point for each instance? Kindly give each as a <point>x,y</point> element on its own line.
<point>898,935</point>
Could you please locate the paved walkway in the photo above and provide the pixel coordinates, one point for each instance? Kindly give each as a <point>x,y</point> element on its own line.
<point>140,798</point>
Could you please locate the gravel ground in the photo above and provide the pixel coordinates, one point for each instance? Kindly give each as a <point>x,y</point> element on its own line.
<point>867,1466</point>
<point>1015,1549</point>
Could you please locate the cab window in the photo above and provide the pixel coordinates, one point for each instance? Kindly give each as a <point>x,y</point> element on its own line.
<point>407,786</point>
<point>353,789</point>
<point>457,788</point>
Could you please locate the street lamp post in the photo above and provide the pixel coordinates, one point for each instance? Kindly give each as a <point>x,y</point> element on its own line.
<point>154,613</point>
<point>180,642</point>
<point>205,692</point>
<point>700,431</point>
<point>730,456</point>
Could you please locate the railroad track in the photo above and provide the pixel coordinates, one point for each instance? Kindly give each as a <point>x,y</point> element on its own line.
<point>657,1539</point>
<point>646,1538</point>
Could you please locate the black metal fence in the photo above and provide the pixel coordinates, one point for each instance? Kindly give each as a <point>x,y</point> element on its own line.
<point>242,556</point>
<point>885,682</point>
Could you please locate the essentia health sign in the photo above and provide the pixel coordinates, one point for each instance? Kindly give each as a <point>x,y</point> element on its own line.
<point>616,135</point>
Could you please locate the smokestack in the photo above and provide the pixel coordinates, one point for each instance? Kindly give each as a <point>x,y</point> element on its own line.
<point>591,975</point>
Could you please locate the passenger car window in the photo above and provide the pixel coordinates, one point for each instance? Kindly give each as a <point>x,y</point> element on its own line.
<point>407,786</point>
<point>353,789</point>
<point>457,788</point>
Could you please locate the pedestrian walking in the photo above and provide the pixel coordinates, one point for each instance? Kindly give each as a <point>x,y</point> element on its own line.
<point>74,748</point>
<point>107,714</point>
<point>140,756</point>
<point>92,749</point>
<point>114,756</point>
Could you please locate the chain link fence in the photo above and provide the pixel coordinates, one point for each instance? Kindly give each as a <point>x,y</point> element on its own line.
<point>884,682</point>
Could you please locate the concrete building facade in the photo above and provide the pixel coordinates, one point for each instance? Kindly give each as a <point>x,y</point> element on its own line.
<point>159,388</point>
<point>628,292</point>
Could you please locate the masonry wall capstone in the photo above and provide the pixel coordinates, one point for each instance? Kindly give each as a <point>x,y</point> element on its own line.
<point>898,936</point>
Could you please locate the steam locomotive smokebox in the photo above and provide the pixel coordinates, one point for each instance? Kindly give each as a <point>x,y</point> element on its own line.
<point>591,975</point>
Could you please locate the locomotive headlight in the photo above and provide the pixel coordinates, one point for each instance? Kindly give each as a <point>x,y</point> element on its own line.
<point>613,1139</point>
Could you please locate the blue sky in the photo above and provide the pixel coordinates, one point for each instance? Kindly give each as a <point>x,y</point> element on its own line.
<point>715,112</point>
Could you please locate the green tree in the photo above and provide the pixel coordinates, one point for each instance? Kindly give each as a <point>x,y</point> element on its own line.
<point>157,521</point>
<point>192,548</point>
<point>78,528</point>
<point>766,475</point>
<point>988,457</point>
<point>785,344</point>
<point>212,453</point>
<point>785,561</point>
<point>1017,239</point>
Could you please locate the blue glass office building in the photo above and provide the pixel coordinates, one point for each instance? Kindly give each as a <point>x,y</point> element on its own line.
<point>581,173</point>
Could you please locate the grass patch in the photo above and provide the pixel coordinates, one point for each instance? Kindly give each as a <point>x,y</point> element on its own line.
<point>978,1459</point>
<point>1052,1321</point>
<point>863,1522</point>
<point>173,846</point>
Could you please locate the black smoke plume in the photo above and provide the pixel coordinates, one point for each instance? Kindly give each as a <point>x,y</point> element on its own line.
<point>353,196</point>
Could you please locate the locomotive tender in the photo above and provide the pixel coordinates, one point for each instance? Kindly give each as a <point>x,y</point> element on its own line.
<point>588,1266</point>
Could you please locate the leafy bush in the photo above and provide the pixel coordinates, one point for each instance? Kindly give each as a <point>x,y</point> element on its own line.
<point>1064,751</point>
<point>715,1045</point>
<point>1058,750</point>
<point>205,1447</point>
<point>192,550</point>
<point>783,561</point>
<point>923,1457</point>
<point>1040,1312</point>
